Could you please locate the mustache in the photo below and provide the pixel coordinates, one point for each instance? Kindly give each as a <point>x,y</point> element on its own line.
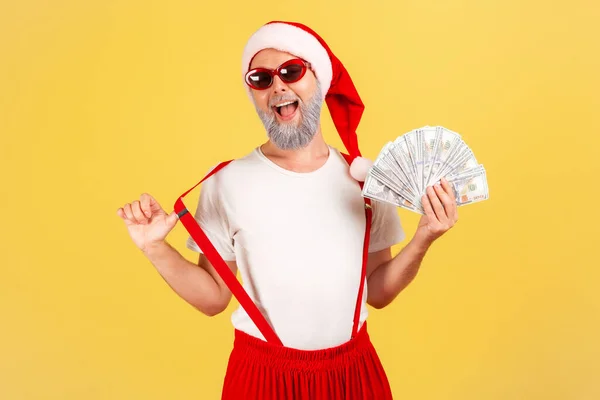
<point>283,97</point>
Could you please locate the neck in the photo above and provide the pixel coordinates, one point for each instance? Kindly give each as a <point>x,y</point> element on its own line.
<point>306,159</point>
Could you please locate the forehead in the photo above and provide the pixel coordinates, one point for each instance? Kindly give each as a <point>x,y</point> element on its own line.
<point>270,58</point>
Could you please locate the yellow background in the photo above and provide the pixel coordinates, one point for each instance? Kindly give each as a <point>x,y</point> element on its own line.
<point>101,101</point>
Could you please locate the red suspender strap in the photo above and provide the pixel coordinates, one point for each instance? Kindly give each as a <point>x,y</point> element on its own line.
<point>190,223</point>
<point>369,216</point>
<point>365,256</point>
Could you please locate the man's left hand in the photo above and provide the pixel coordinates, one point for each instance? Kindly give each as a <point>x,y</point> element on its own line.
<point>439,204</point>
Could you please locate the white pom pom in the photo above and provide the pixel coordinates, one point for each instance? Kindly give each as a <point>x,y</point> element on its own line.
<point>359,168</point>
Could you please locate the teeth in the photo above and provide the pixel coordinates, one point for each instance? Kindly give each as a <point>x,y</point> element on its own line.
<point>285,104</point>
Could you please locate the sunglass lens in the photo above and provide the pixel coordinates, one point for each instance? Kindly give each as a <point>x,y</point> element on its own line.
<point>260,80</point>
<point>292,72</point>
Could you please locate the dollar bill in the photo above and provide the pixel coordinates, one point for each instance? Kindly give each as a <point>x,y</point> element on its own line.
<point>448,144</point>
<point>470,188</point>
<point>420,158</point>
<point>429,142</point>
<point>402,151</point>
<point>386,165</point>
<point>376,190</point>
<point>396,185</point>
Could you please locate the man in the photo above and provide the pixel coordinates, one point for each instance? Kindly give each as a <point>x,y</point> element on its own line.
<point>312,252</point>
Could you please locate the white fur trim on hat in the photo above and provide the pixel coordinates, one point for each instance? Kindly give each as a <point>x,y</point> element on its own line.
<point>293,40</point>
<point>359,168</point>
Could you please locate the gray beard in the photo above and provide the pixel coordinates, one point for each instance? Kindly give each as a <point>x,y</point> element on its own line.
<point>290,136</point>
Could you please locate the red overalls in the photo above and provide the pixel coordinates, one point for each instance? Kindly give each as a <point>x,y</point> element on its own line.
<point>265,370</point>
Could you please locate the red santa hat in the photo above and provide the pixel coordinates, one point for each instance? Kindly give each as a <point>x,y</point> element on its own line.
<point>343,101</point>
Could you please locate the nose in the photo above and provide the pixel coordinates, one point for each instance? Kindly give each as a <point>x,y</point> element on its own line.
<point>278,85</point>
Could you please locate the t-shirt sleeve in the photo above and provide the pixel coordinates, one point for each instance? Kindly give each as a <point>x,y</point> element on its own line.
<point>212,218</point>
<point>386,226</point>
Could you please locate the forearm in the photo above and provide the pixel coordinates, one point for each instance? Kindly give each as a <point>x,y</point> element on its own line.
<point>191,282</point>
<point>390,278</point>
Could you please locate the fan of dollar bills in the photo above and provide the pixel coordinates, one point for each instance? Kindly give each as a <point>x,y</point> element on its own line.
<point>420,158</point>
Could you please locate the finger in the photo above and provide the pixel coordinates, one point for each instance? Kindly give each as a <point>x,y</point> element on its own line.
<point>453,207</point>
<point>153,203</point>
<point>436,205</point>
<point>121,214</point>
<point>154,206</point>
<point>428,209</point>
<point>128,212</point>
<point>445,199</point>
<point>137,212</point>
<point>447,187</point>
<point>145,204</point>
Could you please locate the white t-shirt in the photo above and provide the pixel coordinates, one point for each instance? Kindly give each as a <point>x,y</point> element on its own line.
<point>297,239</point>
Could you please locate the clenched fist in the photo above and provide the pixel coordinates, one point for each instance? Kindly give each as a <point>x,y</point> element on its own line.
<point>148,224</point>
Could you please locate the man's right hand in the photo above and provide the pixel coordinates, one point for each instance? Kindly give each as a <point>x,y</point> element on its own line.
<point>148,224</point>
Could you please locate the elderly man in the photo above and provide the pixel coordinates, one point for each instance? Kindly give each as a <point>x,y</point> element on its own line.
<point>312,252</point>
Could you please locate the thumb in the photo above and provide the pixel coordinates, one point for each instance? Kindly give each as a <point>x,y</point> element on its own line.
<point>172,219</point>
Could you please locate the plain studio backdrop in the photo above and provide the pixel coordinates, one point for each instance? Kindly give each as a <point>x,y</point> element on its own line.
<point>101,101</point>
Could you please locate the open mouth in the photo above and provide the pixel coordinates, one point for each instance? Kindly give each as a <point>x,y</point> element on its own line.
<point>286,110</point>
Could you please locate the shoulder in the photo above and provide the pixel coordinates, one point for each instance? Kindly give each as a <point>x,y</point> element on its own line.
<point>233,172</point>
<point>233,167</point>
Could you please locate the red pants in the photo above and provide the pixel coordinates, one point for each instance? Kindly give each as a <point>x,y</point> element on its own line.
<point>258,370</point>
